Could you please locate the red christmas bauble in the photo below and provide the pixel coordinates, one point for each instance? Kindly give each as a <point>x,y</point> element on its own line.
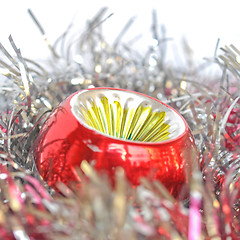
<point>232,136</point>
<point>114,127</point>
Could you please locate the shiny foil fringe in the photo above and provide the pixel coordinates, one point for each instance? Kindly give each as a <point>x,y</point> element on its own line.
<point>30,210</point>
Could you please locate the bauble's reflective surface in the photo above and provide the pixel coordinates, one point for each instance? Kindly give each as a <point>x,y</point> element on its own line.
<point>111,128</point>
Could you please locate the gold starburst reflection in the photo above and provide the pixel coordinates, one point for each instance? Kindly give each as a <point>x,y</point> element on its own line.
<point>127,123</point>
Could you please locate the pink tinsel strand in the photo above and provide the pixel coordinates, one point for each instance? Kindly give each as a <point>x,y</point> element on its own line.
<point>194,231</point>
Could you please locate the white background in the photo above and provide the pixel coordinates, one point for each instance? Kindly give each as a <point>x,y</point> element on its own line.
<point>200,22</point>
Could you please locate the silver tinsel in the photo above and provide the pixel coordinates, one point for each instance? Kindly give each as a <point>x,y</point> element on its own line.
<point>30,210</point>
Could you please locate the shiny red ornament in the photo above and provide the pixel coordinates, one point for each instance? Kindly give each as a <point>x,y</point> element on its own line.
<point>111,128</point>
<point>232,136</point>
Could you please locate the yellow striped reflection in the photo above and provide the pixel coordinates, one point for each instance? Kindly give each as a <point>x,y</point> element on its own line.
<point>136,124</point>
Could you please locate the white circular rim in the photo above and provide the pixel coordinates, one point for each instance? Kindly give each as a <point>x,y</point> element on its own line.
<point>175,121</point>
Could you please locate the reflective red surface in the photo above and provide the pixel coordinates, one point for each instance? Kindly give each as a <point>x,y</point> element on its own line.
<point>63,143</point>
<point>232,136</point>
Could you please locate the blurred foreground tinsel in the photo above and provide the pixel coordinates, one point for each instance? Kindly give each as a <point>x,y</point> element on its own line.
<point>30,210</point>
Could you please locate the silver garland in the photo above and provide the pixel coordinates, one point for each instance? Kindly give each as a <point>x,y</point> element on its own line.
<point>30,210</point>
